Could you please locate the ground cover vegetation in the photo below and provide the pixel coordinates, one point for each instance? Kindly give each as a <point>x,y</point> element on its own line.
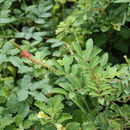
<point>64,64</point>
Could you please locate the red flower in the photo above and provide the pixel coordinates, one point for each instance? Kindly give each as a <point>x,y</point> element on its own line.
<point>25,54</point>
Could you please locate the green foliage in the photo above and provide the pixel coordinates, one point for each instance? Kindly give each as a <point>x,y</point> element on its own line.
<point>76,80</point>
<point>54,110</point>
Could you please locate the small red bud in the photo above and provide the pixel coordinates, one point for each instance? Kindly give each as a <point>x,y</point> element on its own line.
<point>25,54</point>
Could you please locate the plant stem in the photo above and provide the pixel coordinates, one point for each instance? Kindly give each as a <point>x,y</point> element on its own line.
<point>17,46</point>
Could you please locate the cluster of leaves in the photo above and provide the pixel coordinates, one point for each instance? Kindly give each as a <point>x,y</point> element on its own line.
<point>80,88</point>
<point>101,20</point>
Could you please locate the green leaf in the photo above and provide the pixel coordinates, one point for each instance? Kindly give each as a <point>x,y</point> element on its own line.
<point>27,124</point>
<point>67,62</point>
<point>53,106</point>
<point>48,126</point>
<point>94,61</point>
<point>77,48</point>
<point>79,101</point>
<point>78,57</point>
<point>95,52</point>
<point>79,116</point>
<point>58,66</point>
<point>2,58</point>
<point>72,95</point>
<point>67,86</point>
<point>88,125</point>
<point>101,100</point>
<point>39,96</point>
<point>75,81</point>
<point>75,69</point>
<point>16,61</point>
<point>45,15</point>
<point>7,47</point>
<point>6,20</point>
<point>1,1</point>
<point>10,127</point>
<point>104,59</point>
<point>106,92</point>
<point>25,69</point>
<point>47,8</point>
<point>55,103</point>
<point>89,48</point>
<point>22,95</point>
<point>52,40</point>
<point>38,35</point>
<point>105,87</point>
<point>73,126</point>
<point>1,109</point>
<point>12,103</point>
<point>93,87</point>
<point>125,110</point>
<point>115,125</point>
<point>5,121</point>
<point>40,21</point>
<point>2,99</point>
<point>18,120</point>
<point>59,91</point>
<point>19,35</point>
<point>55,42</point>
<point>13,51</point>
<point>121,1</point>
<point>23,109</point>
<point>35,43</point>
<point>26,82</point>
<point>42,84</point>
<point>93,93</point>
<point>64,117</point>
<point>41,105</point>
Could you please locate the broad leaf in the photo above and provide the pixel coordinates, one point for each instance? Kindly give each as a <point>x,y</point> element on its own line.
<point>22,95</point>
